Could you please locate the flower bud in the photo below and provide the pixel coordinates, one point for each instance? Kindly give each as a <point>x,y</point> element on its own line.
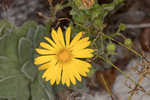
<point>128,42</point>
<point>111,47</point>
<point>84,4</point>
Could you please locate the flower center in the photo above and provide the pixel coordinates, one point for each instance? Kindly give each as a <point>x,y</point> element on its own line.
<point>64,55</point>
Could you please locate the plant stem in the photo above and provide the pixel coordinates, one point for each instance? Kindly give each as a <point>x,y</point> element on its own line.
<point>135,52</point>
<point>110,63</point>
<point>106,85</point>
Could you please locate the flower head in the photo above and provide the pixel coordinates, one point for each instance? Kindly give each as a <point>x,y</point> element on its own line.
<point>61,58</point>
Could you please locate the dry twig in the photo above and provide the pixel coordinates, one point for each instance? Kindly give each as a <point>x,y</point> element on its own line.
<point>133,26</point>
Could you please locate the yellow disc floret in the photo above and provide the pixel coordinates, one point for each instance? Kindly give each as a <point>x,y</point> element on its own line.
<point>64,55</point>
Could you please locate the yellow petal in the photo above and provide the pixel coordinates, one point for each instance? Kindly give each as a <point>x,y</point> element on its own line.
<point>71,73</point>
<point>81,45</point>
<point>60,36</point>
<point>56,40</point>
<point>82,70</point>
<point>84,39</point>
<point>46,46</point>
<point>73,70</point>
<point>82,67</point>
<point>76,38</point>
<point>45,52</point>
<point>47,73</point>
<point>50,41</point>
<point>54,36</point>
<point>68,82</point>
<point>43,59</point>
<point>77,76</point>
<point>52,81</point>
<point>43,67</point>
<point>65,76</point>
<point>53,73</point>
<point>56,47</point>
<point>59,70</point>
<point>48,76</point>
<point>48,65</point>
<point>84,53</point>
<point>83,73</point>
<point>68,33</point>
<point>81,63</point>
<point>72,78</point>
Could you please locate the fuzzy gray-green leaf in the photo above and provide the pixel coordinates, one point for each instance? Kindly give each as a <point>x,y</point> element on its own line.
<point>29,70</point>
<point>38,36</point>
<point>41,91</point>
<point>8,67</point>
<point>14,87</point>
<point>24,49</point>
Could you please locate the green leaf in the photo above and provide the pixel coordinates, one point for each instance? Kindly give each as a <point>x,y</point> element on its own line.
<point>122,27</point>
<point>98,24</point>
<point>117,2</point>
<point>37,92</point>
<point>24,50</point>
<point>108,7</point>
<point>2,45</point>
<point>8,40</point>
<point>3,32</point>
<point>39,33</point>
<point>5,25</point>
<point>29,70</point>
<point>11,46</point>
<point>96,11</point>
<point>41,91</point>
<point>8,67</point>
<point>6,29</point>
<point>47,88</point>
<point>3,99</point>
<point>22,31</point>
<point>18,75</point>
<point>14,87</point>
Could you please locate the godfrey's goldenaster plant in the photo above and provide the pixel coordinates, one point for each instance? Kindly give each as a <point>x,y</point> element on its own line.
<point>61,58</point>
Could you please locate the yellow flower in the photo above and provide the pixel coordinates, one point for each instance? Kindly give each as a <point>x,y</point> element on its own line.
<point>61,58</point>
